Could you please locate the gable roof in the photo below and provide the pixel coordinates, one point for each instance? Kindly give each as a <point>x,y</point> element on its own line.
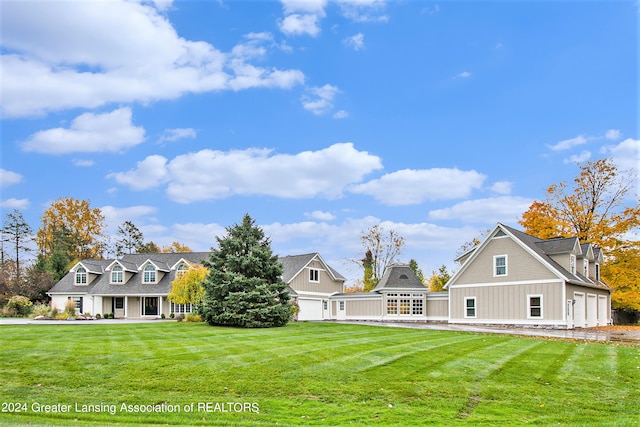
<point>292,265</point>
<point>399,276</point>
<point>541,250</point>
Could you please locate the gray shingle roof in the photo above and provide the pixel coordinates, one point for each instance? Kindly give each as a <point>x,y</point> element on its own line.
<point>292,264</point>
<point>399,276</point>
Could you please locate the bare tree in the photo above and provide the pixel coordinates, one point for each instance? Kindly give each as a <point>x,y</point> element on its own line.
<point>385,247</point>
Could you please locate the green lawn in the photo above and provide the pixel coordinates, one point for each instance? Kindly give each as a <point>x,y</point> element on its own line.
<point>310,374</point>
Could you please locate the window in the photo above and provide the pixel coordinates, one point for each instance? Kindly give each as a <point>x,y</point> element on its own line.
<point>81,276</point>
<point>500,265</point>
<point>416,309</point>
<point>182,269</point>
<point>78,301</point>
<point>572,263</point>
<point>535,306</point>
<point>585,267</point>
<point>470,307</point>
<point>341,305</point>
<point>405,307</point>
<point>314,275</point>
<point>597,271</point>
<point>117,274</point>
<point>149,275</point>
<point>325,305</point>
<point>119,303</point>
<point>181,308</point>
<point>392,306</point>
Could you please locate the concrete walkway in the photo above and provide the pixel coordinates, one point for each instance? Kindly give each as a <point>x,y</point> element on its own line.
<point>587,334</point>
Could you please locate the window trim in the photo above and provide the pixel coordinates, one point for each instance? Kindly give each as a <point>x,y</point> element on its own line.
<point>475,308</point>
<point>81,278</point>
<point>182,269</point>
<point>585,268</point>
<point>506,265</point>
<point>597,271</point>
<point>572,264</point>
<point>144,274</point>
<point>529,306</point>
<point>314,275</point>
<point>121,275</point>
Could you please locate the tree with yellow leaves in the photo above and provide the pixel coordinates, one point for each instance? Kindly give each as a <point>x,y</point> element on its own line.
<point>82,225</point>
<point>596,207</point>
<point>187,287</point>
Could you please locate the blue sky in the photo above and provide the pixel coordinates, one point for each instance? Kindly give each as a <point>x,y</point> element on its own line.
<point>318,118</point>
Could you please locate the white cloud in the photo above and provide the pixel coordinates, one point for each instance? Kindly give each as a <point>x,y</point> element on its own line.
<point>8,178</point>
<point>115,51</point>
<point>89,133</point>
<point>502,187</point>
<point>150,172</point>
<point>12,203</point>
<point>211,174</point>
<point>412,187</point>
<point>568,143</point>
<point>363,10</point>
<point>320,215</point>
<point>484,211</point>
<point>578,158</point>
<point>463,75</point>
<point>626,154</point>
<point>613,134</point>
<point>322,100</point>
<point>300,24</point>
<point>83,163</point>
<point>177,134</point>
<point>342,114</point>
<point>307,6</point>
<point>356,42</point>
<point>115,217</point>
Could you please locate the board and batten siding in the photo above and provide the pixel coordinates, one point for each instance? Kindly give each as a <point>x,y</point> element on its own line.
<point>437,308</point>
<point>134,307</point>
<point>363,308</point>
<point>508,303</point>
<point>325,284</point>
<point>521,265</point>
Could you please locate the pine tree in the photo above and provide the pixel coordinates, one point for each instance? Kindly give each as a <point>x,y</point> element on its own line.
<point>244,285</point>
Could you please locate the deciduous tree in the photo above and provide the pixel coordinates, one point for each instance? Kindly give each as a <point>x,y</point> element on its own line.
<point>84,224</point>
<point>176,247</point>
<point>244,285</point>
<point>130,239</point>
<point>439,279</point>
<point>187,287</point>
<point>384,246</point>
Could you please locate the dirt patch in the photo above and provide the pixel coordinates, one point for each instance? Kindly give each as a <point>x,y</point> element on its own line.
<point>619,328</point>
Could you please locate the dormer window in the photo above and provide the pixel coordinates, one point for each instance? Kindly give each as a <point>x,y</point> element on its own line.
<point>149,275</point>
<point>572,263</point>
<point>81,276</point>
<point>597,271</point>
<point>585,267</point>
<point>117,274</point>
<point>182,269</point>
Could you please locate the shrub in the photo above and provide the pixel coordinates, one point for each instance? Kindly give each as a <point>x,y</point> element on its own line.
<point>70,307</point>
<point>162,316</point>
<point>98,317</point>
<point>172,315</point>
<point>295,310</point>
<point>62,316</point>
<point>41,310</point>
<point>180,317</point>
<point>192,317</point>
<point>21,305</point>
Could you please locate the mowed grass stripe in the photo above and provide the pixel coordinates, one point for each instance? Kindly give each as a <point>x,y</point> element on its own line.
<point>316,374</point>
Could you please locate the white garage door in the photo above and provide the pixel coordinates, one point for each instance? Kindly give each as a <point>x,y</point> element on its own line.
<point>603,313</point>
<point>310,309</point>
<point>579,311</point>
<point>592,311</point>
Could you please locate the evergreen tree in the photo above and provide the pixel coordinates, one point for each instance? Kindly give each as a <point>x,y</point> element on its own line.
<point>131,239</point>
<point>17,232</point>
<point>244,285</point>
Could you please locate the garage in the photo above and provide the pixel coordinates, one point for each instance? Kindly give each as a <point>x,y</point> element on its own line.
<point>603,313</point>
<point>579,311</point>
<point>592,310</point>
<point>310,309</point>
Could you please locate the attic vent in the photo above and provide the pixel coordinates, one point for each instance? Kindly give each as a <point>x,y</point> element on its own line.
<point>500,233</point>
<point>404,276</point>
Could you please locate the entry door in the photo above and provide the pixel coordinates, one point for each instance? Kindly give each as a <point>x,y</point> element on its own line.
<point>342,312</point>
<point>569,314</point>
<point>118,307</point>
<point>150,306</point>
